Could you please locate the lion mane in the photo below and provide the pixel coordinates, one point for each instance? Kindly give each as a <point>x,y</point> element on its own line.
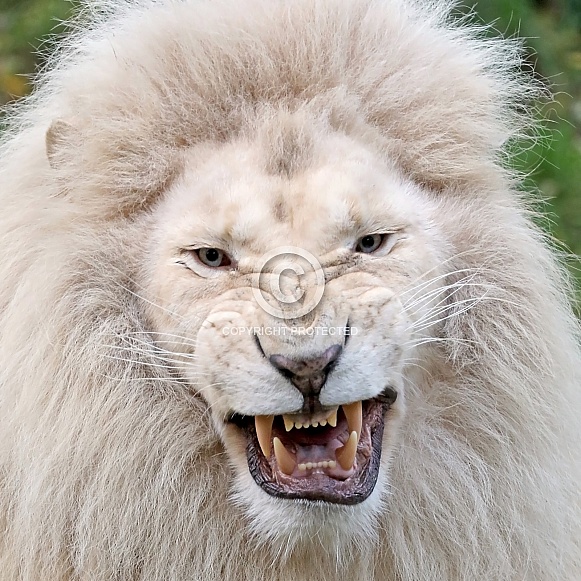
<point>110,467</point>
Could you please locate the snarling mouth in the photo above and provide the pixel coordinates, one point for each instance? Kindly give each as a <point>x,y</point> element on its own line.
<point>332,456</point>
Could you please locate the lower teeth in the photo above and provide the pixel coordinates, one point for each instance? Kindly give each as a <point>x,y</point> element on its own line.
<point>311,465</point>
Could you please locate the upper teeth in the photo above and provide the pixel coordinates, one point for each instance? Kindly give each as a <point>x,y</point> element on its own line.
<point>291,422</point>
<point>263,432</point>
<point>354,414</point>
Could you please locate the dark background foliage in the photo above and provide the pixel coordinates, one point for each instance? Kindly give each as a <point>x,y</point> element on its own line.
<point>552,29</point>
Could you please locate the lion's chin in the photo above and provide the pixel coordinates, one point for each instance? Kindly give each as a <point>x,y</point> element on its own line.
<point>333,456</point>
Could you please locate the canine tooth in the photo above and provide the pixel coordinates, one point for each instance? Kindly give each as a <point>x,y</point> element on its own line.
<point>332,419</point>
<point>288,423</point>
<point>354,415</point>
<point>302,467</point>
<point>263,432</point>
<point>284,460</point>
<point>346,454</point>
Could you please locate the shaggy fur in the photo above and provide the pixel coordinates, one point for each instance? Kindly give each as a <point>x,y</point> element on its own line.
<point>113,465</point>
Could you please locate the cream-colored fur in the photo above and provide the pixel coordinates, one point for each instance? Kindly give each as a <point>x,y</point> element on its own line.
<point>254,125</point>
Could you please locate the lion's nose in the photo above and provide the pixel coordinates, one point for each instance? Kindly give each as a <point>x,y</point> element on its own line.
<point>309,375</point>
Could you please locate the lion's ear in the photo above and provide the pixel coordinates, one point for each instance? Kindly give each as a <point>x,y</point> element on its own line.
<point>59,137</point>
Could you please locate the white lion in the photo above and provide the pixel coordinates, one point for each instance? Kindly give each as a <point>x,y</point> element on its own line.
<point>273,307</point>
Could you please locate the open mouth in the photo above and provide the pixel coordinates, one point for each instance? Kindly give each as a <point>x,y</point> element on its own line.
<point>331,456</point>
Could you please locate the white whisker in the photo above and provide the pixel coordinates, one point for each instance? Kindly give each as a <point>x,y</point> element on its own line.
<point>152,354</point>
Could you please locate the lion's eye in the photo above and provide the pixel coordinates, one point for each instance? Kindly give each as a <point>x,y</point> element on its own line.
<point>370,243</point>
<point>213,257</point>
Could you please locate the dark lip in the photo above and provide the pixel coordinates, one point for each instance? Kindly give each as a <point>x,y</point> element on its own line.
<point>351,491</point>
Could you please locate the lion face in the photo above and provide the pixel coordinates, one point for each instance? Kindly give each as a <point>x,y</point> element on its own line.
<point>293,304</point>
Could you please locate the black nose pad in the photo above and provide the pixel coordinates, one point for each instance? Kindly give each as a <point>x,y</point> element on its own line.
<point>308,376</point>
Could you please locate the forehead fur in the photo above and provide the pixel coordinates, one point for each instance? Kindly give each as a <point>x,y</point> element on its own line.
<point>154,78</point>
<point>287,143</point>
<point>228,196</point>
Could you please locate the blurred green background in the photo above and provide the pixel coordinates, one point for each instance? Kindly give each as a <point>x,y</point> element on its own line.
<point>552,29</point>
